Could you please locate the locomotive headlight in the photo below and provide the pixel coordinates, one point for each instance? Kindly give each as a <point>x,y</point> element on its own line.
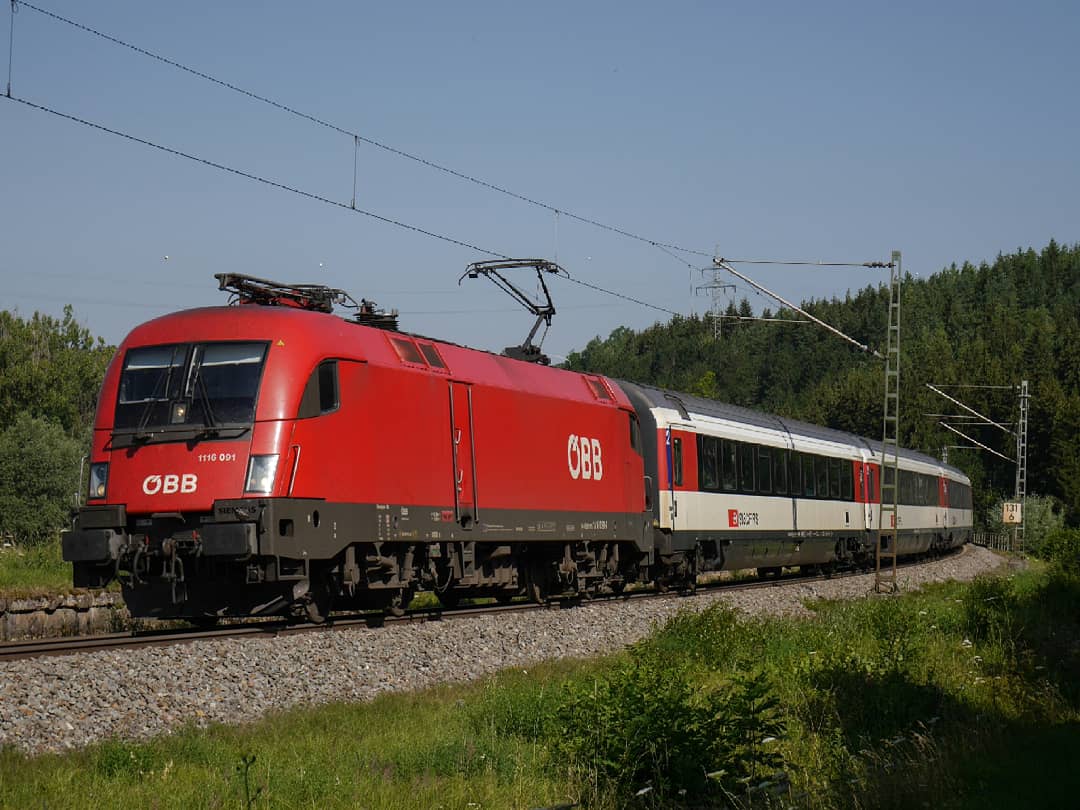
<point>261,472</point>
<point>99,479</point>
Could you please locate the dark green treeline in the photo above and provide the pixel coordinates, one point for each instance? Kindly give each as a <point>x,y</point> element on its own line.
<point>995,324</point>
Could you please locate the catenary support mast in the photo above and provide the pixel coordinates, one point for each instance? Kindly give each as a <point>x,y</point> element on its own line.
<point>1021,466</point>
<point>886,555</point>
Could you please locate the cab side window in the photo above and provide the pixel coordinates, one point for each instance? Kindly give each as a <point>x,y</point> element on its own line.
<point>321,394</point>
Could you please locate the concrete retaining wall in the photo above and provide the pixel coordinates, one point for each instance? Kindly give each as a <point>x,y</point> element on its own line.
<point>67,615</point>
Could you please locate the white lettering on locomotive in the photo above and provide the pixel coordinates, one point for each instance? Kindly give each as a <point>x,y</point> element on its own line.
<point>170,484</point>
<point>584,458</point>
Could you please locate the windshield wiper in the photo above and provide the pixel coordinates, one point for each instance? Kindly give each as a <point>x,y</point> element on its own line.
<point>204,400</point>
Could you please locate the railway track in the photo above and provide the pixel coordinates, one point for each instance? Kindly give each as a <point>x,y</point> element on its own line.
<point>69,645</point>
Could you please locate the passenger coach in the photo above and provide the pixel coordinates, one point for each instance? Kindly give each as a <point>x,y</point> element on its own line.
<point>738,488</point>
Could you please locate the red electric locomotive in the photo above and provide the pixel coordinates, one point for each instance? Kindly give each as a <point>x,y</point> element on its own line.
<point>255,459</point>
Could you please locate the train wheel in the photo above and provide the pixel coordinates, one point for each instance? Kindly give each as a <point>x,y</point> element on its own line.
<point>538,581</point>
<point>399,602</point>
<point>318,601</point>
<point>316,613</point>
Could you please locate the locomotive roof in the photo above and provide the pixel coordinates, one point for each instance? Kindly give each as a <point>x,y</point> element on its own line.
<point>300,338</point>
<point>664,398</point>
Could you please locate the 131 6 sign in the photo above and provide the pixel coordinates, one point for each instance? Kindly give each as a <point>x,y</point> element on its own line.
<point>1011,513</point>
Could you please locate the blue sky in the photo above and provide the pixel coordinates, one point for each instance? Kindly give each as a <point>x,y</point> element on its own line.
<point>832,131</point>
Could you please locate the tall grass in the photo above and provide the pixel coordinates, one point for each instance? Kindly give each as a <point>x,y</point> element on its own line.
<point>32,570</point>
<point>958,696</point>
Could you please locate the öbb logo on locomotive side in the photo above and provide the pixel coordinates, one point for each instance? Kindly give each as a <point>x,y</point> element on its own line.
<point>583,458</point>
<point>170,484</point>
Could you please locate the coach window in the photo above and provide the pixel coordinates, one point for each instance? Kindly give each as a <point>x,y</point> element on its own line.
<point>846,480</point>
<point>834,478</point>
<point>676,461</point>
<point>764,470</point>
<point>779,471</point>
<point>807,474</point>
<point>794,474</point>
<point>729,464</point>
<point>821,476</point>
<point>906,487</point>
<point>746,468</point>
<point>710,478</point>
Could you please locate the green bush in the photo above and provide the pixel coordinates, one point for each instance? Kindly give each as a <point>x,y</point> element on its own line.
<point>1063,547</point>
<point>1043,516</point>
<point>648,726</point>
<point>39,477</point>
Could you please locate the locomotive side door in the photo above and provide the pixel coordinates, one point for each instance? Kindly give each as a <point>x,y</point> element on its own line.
<point>461,438</point>
<point>868,488</point>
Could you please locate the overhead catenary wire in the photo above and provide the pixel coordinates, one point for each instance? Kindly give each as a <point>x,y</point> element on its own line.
<point>362,138</point>
<point>357,138</point>
<point>976,443</point>
<point>313,196</point>
<point>258,178</point>
<point>723,264</point>
<point>622,296</point>
<point>806,262</point>
<point>753,318</point>
<point>970,410</point>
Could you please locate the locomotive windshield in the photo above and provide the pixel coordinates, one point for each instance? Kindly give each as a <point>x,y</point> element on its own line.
<point>200,385</point>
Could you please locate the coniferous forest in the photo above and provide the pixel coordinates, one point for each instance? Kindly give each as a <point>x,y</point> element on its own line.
<point>995,324</point>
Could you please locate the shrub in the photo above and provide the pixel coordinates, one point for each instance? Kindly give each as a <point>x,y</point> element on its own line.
<point>646,726</point>
<point>39,476</point>
<point>1063,547</point>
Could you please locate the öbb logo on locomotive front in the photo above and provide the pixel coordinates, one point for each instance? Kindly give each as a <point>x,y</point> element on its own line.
<point>583,457</point>
<point>170,484</point>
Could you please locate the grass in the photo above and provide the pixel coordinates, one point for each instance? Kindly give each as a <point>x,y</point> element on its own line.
<point>958,696</point>
<point>34,570</point>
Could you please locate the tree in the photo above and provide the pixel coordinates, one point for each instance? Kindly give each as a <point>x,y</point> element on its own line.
<point>39,477</point>
<point>50,368</point>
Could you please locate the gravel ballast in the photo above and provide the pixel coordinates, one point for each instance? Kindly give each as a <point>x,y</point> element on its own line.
<point>64,702</point>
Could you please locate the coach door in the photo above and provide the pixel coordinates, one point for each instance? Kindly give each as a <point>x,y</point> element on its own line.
<point>867,473</point>
<point>461,437</point>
